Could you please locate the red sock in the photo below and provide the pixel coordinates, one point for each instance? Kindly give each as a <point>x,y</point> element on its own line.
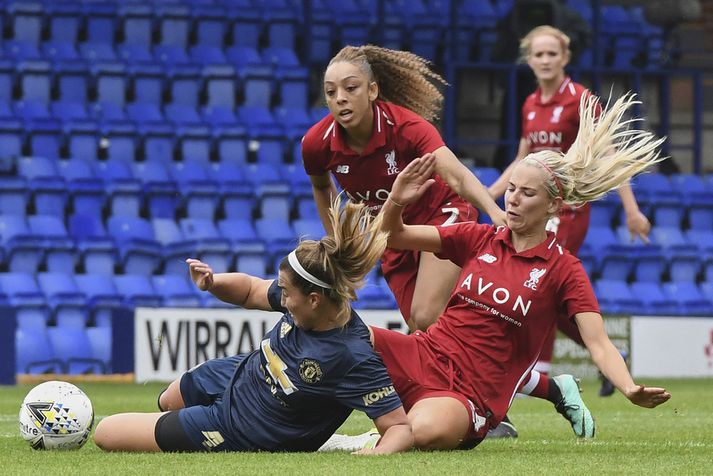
<point>537,386</point>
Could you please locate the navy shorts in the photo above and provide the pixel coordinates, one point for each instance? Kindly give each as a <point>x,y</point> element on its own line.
<point>202,418</point>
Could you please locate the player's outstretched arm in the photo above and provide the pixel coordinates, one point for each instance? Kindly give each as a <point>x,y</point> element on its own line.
<point>608,359</point>
<point>396,434</point>
<point>235,288</point>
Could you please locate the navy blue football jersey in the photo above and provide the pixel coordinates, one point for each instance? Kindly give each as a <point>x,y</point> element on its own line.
<point>293,392</point>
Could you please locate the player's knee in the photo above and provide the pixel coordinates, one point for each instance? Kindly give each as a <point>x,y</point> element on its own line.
<point>429,436</point>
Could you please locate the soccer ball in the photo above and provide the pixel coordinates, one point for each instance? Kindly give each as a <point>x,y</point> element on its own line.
<point>56,416</point>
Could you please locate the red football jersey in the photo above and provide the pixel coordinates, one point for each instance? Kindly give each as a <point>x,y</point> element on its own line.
<point>399,136</point>
<point>554,124</point>
<point>502,309</point>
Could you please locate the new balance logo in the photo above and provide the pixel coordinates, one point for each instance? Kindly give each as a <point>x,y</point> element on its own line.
<point>488,258</point>
<point>342,169</point>
<point>212,439</point>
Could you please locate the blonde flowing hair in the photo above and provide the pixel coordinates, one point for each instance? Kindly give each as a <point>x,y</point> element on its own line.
<point>404,78</point>
<point>343,259</point>
<point>606,153</point>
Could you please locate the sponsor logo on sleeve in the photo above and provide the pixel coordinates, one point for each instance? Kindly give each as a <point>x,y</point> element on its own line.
<point>375,396</point>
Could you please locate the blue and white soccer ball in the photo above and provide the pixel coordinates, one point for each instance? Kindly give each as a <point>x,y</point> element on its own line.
<point>56,416</point>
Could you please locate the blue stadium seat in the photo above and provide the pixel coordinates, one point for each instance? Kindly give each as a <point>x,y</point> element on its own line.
<point>57,51</point>
<point>257,81</point>
<point>300,184</point>
<point>689,298</point>
<point>242,236</point>
<point>194,144</point>
<point>95,246</point>
<point>137,290</point>
<point>35,80</point>
<point>171,56</point>
<point>185,85</point>
<point>14,195</point>
<point>33,352</point>
<point>20,50</point>
<point>655,302</point>
<point>147,83</point>
<point>68,303</point>
<point>160,193</point>
<point>308,228</point>
<point>707,289</point>
<point>615,265</point>
<point>684,266</point>
<point>11,138</point>
<point>100,20</point>
<point>242,56</point>
<point>672,239</point>
<point>32,111</point>
<point>139,251</point>
<point>278,235</point>
<point>60,253</point>
<point>220,82</point>
<point>254,264</point>
<point>135,22</point>
<point>176,291</point>
<point>100,339</point>
<point>66,111</point>
<point>209,24</point>
<point>102,296</point>
<point>282,26</point>
<point>238,198</point>
<point>110,79</point>
<point>182,115</point>
<point>174,21</point>
<point>7,79</point>
<point>124,192</point>
<point>296,122</point>
<point>64,21</point>
<point>145,113</point>
<point>72,80</point>
<point>82,140</point>
<point>245,24</point>
<point>135,54</point>
<point>24,251</point>
<point>72,346</point>
<point>121,142</point>
<point>25,296</point>
<point>205,55</point>
<point>231,145</point>
<point>703,238</point>
<point>615,297</point>
<point>217,116</point>
<point>158,143</point>
<point>650,264</point>
<point>176,247</point>
<point>98,52</point>
<point>211,247</point>
<point>599,238</point>
<point>26,20</point>
<point>200,194</point>
<point>266,179</point>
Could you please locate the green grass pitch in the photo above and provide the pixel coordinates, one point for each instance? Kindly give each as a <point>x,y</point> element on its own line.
<point>676,438</point>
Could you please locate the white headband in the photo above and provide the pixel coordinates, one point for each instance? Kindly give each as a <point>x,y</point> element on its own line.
<point>294,262</point>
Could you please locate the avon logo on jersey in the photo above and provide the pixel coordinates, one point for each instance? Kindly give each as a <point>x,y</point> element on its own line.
<point>534,280</point>
<point>379,195</point>
<point>341,169</point>
<point>488,258</point>
<point>544,138</point>
<point>556,113</point>
<point>391,162</point>
<point>499,295</point>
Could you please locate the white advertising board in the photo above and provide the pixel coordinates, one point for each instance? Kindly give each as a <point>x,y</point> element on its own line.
<point>167,342</point>
<point>671,347</point>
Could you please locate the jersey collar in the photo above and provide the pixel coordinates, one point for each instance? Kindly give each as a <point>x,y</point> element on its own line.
<point>544,250</point>
<point>378,133</point>
<point>555,98</point>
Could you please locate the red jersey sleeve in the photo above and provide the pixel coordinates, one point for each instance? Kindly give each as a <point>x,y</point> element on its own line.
<point>315,149</point>
<point>577,293</point>
<point>460,240</point>
<point>422,134</point>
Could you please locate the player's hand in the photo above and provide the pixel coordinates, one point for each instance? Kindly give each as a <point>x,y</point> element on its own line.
<point>201,274</point>
<point>414,180</point>
<point>638,225</point>
<point>647,397</point>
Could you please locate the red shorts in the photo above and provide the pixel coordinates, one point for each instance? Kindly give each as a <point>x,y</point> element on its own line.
<point>400,267</point>
<point>425,374</point>
<point>573,226</point>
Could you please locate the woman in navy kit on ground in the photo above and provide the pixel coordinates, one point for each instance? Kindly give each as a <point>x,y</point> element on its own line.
<point>550,120</point>
<point>515,280</point>
<point>380,103</point>
<point>311,370</point>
